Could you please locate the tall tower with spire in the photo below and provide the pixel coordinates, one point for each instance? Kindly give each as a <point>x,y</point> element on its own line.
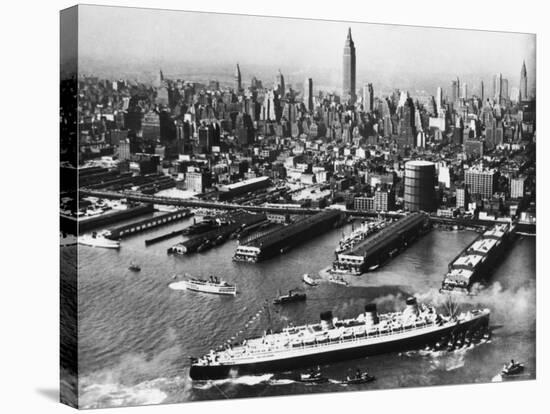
<point>523,84</point>
<point>280,84</point>
<point>348,86</point>
<point>238,79</point>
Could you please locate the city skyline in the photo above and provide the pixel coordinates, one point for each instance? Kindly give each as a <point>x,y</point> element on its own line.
<point>383,176</point>
<point>386,54</point>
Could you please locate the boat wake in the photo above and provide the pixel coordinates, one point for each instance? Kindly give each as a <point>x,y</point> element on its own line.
<point>102,395</point>
<point>177,286</point>
<point>249,380</point>
<point>447,360</point>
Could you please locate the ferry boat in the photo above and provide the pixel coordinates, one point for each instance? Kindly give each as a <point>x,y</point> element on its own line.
<point>98,240</point>
<point>213,285</point>
<point>308,280</point>
<point>333,340</point>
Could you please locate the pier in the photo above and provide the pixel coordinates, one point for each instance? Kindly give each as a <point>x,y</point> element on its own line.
<point>374,250</point>
<point>282,239</point>
<point>477,259</point>
<point>148,224</point>
<point>91,223</point>
<point>233,224</point>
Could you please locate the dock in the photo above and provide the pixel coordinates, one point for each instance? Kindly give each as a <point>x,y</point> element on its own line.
<point>232,223</point>
<point>87,224</point>
<point>282,239</point>
<point>373,251</point>
<point>126,230</point>
<point>476,260</point>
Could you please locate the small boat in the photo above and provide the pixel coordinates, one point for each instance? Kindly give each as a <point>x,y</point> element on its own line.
<point>374,267</point>
<point>66,240</point>
<point>291,297</point>
<point>98,240</point>
<point>308,280</point>
<point>512,369</point>
<point>134,267</point>
<point>312,377</point>
<point>339,280</point>
<point>213,285</point>
<point>359,378</point>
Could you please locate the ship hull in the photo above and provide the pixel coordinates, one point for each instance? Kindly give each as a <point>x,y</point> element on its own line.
<point>208,372</point>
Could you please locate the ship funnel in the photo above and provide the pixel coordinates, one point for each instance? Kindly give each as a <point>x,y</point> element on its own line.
<point>371,315</point>
<point>411,310</point>
<point>326,319</point>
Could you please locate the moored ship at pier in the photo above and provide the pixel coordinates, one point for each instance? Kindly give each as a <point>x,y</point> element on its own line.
<point>282,239</point>
<point>333,340</point>
<point>374,250</point>
<point>474,263</point>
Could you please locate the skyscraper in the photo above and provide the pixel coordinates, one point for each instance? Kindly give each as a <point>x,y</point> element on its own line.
<point>238,80</point>
<point>523,83</point>
<point>308,94</point>
<point>280,84</point>
<point>497,87</point>
<point>482,93</point>
<point>455,90</point>
<point>348,87</point>
<point>438,99</point>
<point>464,91</point>
<point>368,98</point>
<point>505,91</point>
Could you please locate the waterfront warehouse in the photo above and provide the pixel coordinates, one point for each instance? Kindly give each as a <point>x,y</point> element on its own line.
<point>374,250</point>
<point>284,238</point>
<point>227,192</point>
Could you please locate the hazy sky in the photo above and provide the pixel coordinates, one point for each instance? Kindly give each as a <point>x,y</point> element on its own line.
<point>125,36</point>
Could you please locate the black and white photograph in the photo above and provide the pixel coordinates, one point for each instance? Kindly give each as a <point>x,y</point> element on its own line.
<point>256,206</point>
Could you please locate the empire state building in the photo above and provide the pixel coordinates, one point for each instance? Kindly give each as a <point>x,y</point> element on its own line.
<point>348,88</point>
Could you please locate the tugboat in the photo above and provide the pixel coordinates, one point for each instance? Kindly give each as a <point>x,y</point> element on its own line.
<point>312,377</point>
<point>134,267</point>
<point>292,296</point>
<point>308,280</point>
<point>213,285</point>
<point>359,378</point>
<point>512,369</point>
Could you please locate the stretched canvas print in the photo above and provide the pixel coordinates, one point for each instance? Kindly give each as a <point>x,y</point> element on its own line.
<point>257,206</point>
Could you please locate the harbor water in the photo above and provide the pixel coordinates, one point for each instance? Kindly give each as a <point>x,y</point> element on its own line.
<point>136,334</point>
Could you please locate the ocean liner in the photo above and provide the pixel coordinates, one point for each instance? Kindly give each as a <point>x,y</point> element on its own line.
<point>331,340</point>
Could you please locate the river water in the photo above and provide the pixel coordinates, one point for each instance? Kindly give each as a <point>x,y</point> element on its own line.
<point>136,334</point>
